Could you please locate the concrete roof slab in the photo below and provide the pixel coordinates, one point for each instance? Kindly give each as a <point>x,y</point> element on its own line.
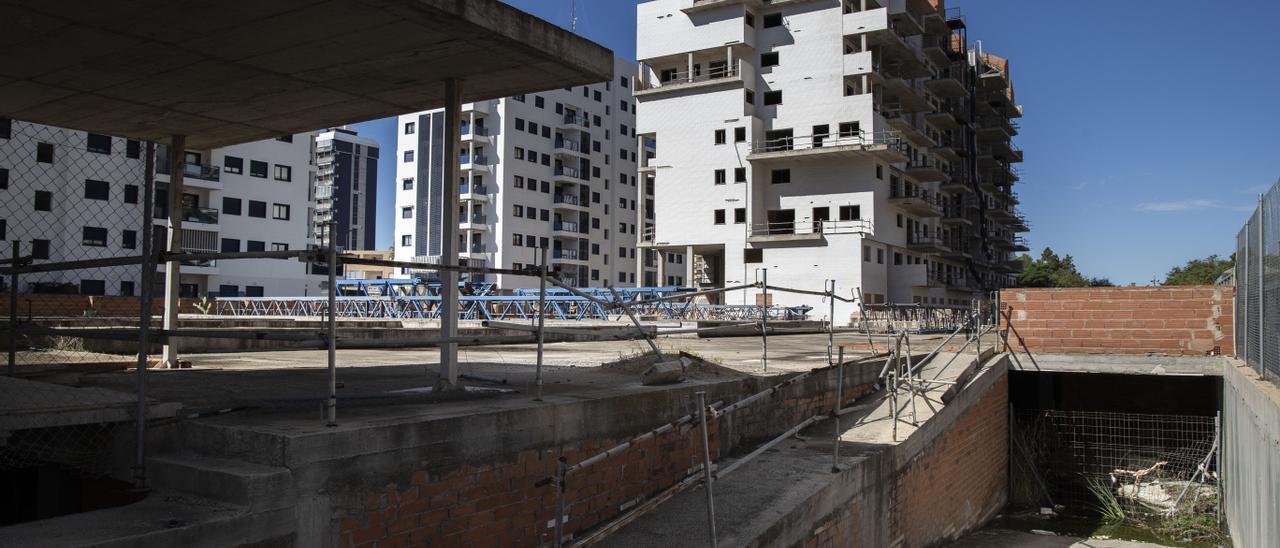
<point>237,70</point>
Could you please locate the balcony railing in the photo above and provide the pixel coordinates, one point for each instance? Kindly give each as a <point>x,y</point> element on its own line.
<point>566,171</point>
<point>807,142</point>
<point>205,215</point>
<point>476,220</point>
<point>571,254</point>
<point>468,188</point>
<point>564,144</point>
<point>203,172</point>
<point>672,79</point>
<point>814,228</point>
<point>475,130</point>
<point>477,159</point>
<point>571,119</point>
<point>567,199</point>
<point>566,226</point>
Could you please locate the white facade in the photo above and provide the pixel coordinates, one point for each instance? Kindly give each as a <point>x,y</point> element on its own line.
<point>805,138</point>
<point>554,169</point>
<point>238,198</point>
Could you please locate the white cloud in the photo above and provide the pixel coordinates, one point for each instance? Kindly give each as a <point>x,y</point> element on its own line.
<point>1188,205</point>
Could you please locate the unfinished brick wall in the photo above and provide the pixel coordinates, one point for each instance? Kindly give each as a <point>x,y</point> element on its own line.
<point>1182,320</point>
<point>502,503</point>
<point>86,306</point>
<point>951,486</point>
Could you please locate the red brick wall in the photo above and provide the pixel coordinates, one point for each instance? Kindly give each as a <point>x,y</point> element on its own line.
<point>1183,320</point>
<point>77,305</point>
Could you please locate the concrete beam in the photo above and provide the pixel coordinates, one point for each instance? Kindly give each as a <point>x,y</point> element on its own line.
<point>1119,364</point>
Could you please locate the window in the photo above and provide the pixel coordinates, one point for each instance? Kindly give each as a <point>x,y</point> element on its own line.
<point>773,97</point>
<point>595,274</point>
<point>772,20</point>
<point>93,287</point>
<point>410,128</point>
<point>254,245</point>
<point>720,136</point>
<point>277,246</point>
<point>4,178</point>
<point>133,149</point>
<point>257,169</point>
<point>720,177</point>
<point>129,239</point>
<point>44,153</point>
<point>406,184</point>
<point>749,19</point>
<point>517,240</point>
<point>517,210</point>
<point>406,213</point>
<point>850,213</point>
<point>749,97</point>
<point>518,97</point>
<point>408,156</point>
<point>719,216</point>
<point>848,129</point>
<point>130,194</point>
<point>517,181</point>
<point>596,95</point>
<point>899,220</point>
<point>739,174</point>
<point>231,164</point>
<point>253,291</point>
<point>533,128</point>
<point>126,288</point>
<point>879,171</point>
<point>866,253</point>
<point>879,255</point>
<point>230,245</point>
<point>753,255</point>
<point>538,101</point>
<point>519,153</point>
<point>6,128</point>
<point>406,240</point>
<point>519,124</point>
<point>897,258</point>
<point>280,212</point>
<point>226,290</point>
<point>769,59</point>
<point>100,144</point>
<point>96,190</point>
<point>44,200</point>
<point>257,209</point>
<point>739,215</point>
<point>230,206</point>
<point>284,173</point>
<point>39,249</point>
<point>546,214</point>
<point>94,236</point>
<point>780,176</point>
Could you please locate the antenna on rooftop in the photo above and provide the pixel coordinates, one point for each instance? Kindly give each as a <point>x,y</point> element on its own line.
<point>573,16</point>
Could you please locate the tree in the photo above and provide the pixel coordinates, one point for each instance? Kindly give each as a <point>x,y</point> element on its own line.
<point>1200,271</point>
<point>1050,270</point>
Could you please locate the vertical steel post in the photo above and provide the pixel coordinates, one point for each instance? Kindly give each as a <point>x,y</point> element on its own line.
<point>911,382</point>
<point>1262,287</point>
<point>862,313</point>
<point>831,325</point>
<point>893,396</point>
<point>449,240</point>
<point>764,322</point>
<point>542,316</point>
<point>707,474</point>
<point>979,323</point>
<point>562,471</point>
<point>1000,347</point>
<point>147,281</point>
<point>173,269</point>
<point>331,405</point>
<point>1243,303</point>
<point>13,310</point>
<point>835,411</point>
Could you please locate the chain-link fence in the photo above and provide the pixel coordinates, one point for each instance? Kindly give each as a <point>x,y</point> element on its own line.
<point>1257,277</point>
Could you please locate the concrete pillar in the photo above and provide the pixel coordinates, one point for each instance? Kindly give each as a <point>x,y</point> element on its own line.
<point>728,60</point>
<point>173,269</point>
<point>690,67</point>
<point>688,266</point>
<point>449,240</point>
<point>662,267</point>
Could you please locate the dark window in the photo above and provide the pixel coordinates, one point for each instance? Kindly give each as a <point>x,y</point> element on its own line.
<point>257,169</point>
<point>284,173</point>
<point>44,200</point>
<point>4,178</point>
<point>6,128</point>
<point>848,129</point>
<point>231,164</point>
<point>129,239</point>
<point>538,101</point>
<point>520,124</point>
<point>772,20</point>
<point>93,287</point>
<point>409,128</point>
<point>739,134</point>
<point>40,249</point>
<point>253,245</point>
<point>4,226</point>
<point>408,156</point>
<point>849,212</point>
<point>546,132</point>
<point>100,144</point>
<point>280,212</point>
<point>749,97</point>
<point>740,215</point>
<point>230,206</point>
<point>773,97</point>
<point>285,138</point>
<point>126,289</point>
<point>769,59</point>
<point>720,177</point>
<point>739,174</point>
<point>277,246</point>
<point>257,209</point>
<point>96,190</point>
<point>753,255</point>
<point>130,194</point>
<point>44,153</point>
<point>94,236</point>
<point>720,136</point>
<point>132,148</point>
<point>749,19</point>
<point>879,171</point>
<point>253,291</point>
<point>780,176</point>
<point>719,216</point>
<point>230,245</point>
<point>228,290</point>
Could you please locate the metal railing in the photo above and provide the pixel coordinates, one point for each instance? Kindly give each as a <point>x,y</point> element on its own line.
<point>566,226</point>
<point>1257,317</point>
<point>205,215</point>
<point>203,172</point>
<point>807,227</point>
<point>566,144</point>
<point>468,188</point>
<point>566,199</point>
<point>674,78</point>
<point>576,120</point>
<point>571,254</point>
<point>566,171</point>
<point>862,138</point>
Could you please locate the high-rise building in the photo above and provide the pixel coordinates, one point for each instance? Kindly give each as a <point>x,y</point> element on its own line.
<point>346,190</point>
<point>555,170</point>
<point>69,195</point>
<point>862,141</point>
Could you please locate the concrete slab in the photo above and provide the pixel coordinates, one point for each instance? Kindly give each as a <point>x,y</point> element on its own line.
<point>237,71</point>
<point>1005,538</point>
<point>1119,364</point>
<point>26,404</point>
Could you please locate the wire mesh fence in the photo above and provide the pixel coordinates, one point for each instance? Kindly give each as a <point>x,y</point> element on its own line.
<point>1257,275</point>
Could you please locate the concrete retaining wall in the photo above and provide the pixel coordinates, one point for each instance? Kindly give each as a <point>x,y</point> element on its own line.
<point>1250,462</point>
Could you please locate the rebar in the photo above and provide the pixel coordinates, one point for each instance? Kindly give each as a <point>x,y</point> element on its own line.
<point>706,468</point>
<point>561,479</point>
<point>835,411</point>
<point>542,318</point>
<point>331,405</point>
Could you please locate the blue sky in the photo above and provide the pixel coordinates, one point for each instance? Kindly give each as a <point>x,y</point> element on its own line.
<point>1148,128</point>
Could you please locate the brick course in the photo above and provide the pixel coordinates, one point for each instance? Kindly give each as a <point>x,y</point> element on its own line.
<point>1181,320</point>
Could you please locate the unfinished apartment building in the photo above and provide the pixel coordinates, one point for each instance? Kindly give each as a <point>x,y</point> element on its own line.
<point>862,141</point>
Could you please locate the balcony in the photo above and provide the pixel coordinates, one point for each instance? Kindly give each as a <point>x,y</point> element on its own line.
<point>570,148</point>
<point>481,108</point>
<point>475,163</point>
<point>475,222</point>
<point>942,49</point>
<point>906,95</point>
<point>721,74</point>
<point>913,199</point>
<point>946,84</point>
<point>885,145</point>
<point>474,192</point>
<point>886,34</point>
<point>568,174</point>
<point>574,121</point>
<point>566,228</point>
<point>201,215</point>
<point>918,275</point>
<point>806,231</point>
<point>194,175</point>
<point>926,169</point>
<point>474,251</point>
<point>955,215</point>
<point>476,134</point>
<point>568,202</point>
<point>562,255</point>
<point>906,125</point>
<point>926,243</point>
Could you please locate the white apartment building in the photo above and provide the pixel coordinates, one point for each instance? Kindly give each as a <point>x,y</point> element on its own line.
<point>346,188</point>
<point>854,140</point>
<point>70,195</point>
<point>555,169</point>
